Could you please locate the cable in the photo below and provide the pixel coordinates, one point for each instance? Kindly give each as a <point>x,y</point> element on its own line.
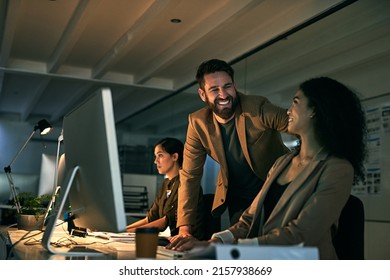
<point>12,246</point>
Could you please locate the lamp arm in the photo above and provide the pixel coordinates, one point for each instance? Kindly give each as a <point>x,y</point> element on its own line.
<point>13,191</point>
<point>7,170</point>
<point>60,138</point>
<point>52,201</point>
<point>20,150</point>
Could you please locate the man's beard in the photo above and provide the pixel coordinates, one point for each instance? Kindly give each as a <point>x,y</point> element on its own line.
<point>224,113</point>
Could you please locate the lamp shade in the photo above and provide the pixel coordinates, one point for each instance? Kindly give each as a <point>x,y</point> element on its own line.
<point>44,127</point>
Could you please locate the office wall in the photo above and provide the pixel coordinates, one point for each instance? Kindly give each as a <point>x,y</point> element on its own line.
<point>13,135</point>
<point>375,193</point>
<point>26,168</point>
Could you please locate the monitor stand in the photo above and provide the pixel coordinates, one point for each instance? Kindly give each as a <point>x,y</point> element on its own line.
<point>79,251</point>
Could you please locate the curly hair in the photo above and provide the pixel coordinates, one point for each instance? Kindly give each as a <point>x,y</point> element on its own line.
<point>339,121</point>
<point>172,146</point>
<point>212,66</point>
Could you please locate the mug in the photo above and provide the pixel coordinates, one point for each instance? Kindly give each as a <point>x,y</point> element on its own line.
<point>146,241</point>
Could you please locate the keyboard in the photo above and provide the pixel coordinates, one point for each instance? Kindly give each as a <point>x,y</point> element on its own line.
<point>170,253</point>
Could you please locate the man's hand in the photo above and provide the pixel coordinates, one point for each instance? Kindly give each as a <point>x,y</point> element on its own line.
<point>185,243</point>
<point>184,231</point>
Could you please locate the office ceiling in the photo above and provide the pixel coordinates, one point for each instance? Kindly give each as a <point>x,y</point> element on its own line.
<point>54,54</point>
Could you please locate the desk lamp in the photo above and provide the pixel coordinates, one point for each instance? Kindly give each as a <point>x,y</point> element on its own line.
<point>44,128</point>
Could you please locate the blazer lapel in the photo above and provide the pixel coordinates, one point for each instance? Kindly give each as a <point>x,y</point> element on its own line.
<point>257,222</point>
<point>174,189</point>
<point>297,183</point>
<point>171,199</point>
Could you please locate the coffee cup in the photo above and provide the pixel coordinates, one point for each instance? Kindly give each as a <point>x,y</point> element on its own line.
<point>146,241</point>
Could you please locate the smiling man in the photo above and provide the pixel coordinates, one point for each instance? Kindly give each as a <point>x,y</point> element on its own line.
<point>240,132</point>
<point>219,92</point>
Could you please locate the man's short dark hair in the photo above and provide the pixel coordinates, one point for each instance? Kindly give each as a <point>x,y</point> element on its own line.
<point>212,66</point>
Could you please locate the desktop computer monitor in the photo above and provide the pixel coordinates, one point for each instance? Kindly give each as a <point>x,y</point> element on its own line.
<point>93,185</point>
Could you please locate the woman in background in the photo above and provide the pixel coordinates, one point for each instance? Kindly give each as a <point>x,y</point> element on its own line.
<point>306,190</point>
<point>163,212</point>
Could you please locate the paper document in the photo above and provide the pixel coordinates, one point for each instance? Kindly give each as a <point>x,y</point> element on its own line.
<point>123,236</point>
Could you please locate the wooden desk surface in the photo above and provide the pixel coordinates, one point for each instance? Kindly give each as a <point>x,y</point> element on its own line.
<point>27,246</point>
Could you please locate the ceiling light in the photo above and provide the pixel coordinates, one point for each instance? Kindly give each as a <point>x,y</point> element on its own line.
<point>175,20</point>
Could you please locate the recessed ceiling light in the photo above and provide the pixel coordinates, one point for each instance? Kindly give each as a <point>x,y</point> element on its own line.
<point>175,20</point>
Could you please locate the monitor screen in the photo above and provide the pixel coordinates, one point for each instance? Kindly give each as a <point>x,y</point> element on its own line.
<point>93,183</point>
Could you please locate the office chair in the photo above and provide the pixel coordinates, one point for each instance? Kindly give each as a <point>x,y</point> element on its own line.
<point>349,238</point>
<point>212,224</point>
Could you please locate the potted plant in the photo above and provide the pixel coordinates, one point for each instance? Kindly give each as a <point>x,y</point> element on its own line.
<point>32,210</point>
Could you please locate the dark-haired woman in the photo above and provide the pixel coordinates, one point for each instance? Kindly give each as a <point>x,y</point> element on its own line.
<point>163,212</point>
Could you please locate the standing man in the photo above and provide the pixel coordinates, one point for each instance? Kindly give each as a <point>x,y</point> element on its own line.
<point>240,132</point>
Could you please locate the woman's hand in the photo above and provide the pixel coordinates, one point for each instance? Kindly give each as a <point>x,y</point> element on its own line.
<point>129,229</point>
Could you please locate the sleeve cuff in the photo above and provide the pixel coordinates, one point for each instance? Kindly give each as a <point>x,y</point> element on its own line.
<point>225,236</point>
<point>248,241</point>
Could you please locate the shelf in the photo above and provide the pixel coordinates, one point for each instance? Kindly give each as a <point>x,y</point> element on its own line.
<point>135,198</point>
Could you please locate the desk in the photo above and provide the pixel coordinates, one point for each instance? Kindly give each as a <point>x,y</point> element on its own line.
<point>27,246</point>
